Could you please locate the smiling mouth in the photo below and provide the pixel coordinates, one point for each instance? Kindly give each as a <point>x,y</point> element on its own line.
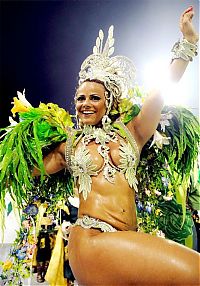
<point>87,112</point>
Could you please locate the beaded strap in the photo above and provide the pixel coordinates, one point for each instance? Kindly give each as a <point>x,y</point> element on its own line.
<point>130,138</point>
<point>68,148</point>
<point>90,222</point>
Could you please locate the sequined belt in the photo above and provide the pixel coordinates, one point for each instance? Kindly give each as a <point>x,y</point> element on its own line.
<point>90,222</point>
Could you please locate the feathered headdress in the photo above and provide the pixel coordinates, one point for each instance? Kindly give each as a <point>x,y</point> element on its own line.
<point>117,73</point>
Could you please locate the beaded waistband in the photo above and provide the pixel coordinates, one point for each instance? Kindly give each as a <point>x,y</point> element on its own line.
<point>90,222</point>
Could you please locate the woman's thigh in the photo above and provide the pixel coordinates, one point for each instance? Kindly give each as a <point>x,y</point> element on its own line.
<point>130,258</point>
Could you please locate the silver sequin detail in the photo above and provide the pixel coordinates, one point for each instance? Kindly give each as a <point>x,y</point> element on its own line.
<point>90,222</point>
<point>82,164</point>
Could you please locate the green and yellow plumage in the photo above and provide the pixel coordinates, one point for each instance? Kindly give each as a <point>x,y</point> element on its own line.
<point>164,172</point>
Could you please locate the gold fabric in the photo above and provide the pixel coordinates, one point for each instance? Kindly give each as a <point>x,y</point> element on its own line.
<point>55,271</point>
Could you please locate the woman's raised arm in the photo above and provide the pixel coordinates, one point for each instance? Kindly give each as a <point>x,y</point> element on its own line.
<point>190,38</point>
<point>145,124</point>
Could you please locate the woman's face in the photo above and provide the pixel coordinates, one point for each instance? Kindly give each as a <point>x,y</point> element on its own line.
<point>90,102</point>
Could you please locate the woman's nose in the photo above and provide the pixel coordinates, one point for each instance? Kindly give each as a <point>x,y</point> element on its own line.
<point>87,102</point>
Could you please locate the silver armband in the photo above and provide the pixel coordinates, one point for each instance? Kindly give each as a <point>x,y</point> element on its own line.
<point>184,50</point>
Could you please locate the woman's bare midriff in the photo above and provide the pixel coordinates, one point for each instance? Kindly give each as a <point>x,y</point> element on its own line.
<point>112,203</point>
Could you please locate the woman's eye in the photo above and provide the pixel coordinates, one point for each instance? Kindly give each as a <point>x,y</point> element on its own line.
<point>95,97</point>
<point>80,98</point>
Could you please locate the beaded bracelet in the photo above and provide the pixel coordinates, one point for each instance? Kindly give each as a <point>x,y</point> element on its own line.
<point>184,50</point>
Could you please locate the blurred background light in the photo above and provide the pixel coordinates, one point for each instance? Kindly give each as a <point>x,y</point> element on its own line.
<point>155,74</point>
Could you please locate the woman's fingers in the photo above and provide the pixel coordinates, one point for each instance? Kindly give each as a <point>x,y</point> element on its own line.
<point>186,25</point>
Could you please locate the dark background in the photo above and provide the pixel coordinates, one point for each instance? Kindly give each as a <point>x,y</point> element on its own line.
<point>42,43</point>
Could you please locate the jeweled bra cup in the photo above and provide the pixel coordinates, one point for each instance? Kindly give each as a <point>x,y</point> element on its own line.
<point>81,162</point>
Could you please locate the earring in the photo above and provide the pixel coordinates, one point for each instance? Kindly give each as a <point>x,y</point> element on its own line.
<point>109,101</point>
<point>78,122</point>
<point>106,123</point>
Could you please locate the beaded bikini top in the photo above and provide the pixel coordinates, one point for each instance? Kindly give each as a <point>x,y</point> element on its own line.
<point>81,164</point>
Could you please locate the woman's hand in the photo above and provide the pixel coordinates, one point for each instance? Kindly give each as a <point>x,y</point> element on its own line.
<point>186,26</point>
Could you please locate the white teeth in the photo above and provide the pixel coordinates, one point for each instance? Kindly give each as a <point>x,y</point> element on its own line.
<point>88,112</point>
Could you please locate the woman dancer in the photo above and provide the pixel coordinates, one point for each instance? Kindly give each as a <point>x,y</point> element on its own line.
<point>104,245</point>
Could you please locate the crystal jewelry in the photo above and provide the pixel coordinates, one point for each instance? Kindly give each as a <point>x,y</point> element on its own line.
<point>82,169</point>
<point>184,50</point>
<point>106,123</point>
<point>102,137</point>
<point>130,157</point>
<point>117,73</point>
<point>68,147</point>
<point>82,164</point>
<point>90,222</point>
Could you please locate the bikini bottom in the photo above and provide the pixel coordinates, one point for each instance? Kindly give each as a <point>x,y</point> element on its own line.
<point>90,222</point>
